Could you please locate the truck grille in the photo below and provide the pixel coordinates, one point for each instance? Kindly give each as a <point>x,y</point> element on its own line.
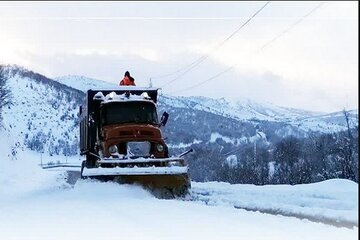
<point>139,149</point>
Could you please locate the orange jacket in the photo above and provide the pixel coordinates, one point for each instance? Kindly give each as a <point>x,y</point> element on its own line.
<point>126,81</point>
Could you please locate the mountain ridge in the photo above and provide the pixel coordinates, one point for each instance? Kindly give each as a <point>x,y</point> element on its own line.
<point>244,110</point>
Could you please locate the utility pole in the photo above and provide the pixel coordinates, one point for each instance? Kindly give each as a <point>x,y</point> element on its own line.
<point>150,83</point>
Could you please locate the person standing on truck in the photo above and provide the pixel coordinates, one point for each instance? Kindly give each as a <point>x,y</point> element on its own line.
<point>127,80</point>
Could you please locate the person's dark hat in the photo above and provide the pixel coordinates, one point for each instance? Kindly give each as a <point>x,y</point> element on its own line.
<point>127,74</point>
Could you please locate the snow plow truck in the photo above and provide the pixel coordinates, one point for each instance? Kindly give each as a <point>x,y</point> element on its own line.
<point>122,141</point>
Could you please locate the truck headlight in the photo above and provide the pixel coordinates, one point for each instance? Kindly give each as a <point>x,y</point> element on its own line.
<point>160,147</point>
<point>113,149</point>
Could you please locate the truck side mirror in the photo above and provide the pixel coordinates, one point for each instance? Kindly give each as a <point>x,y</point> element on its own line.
<point>80,110</point>
<point>164,118</point>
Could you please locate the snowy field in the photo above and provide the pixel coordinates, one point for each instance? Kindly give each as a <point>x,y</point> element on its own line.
<point>39,204</point>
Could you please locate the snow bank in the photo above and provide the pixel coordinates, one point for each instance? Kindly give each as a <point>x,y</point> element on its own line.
<point>21,175</point>
<point>335,199</point>
<point>37,204</point>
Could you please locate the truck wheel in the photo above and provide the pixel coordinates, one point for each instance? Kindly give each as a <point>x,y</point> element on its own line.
<point>90,161</point>
<point>83,164</point>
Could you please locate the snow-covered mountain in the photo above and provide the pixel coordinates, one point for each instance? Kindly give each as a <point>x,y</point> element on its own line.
<point>83,83</point>
<point>44,116</point>
<point>242,110</point>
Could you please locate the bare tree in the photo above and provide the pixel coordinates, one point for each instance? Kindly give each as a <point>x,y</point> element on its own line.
<point>4,91</point>
<point>287,155</point>
<point>346,145</point>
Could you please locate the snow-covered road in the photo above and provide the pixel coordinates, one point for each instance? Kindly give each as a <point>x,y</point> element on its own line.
<point>333,202</point>
<point>95,210</point>
<point>39,204</point>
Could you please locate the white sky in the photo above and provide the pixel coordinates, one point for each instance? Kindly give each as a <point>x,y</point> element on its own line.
<point>313,66</point>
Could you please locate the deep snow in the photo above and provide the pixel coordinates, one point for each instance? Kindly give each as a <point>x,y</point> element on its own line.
<point>331,200</point>
<point>39,204</point>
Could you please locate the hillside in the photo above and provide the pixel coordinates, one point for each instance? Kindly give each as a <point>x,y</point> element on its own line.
<point>232,141</point>
<point>43,113</point>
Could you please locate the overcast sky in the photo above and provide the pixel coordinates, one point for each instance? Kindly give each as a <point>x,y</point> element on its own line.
<point>312,63</point>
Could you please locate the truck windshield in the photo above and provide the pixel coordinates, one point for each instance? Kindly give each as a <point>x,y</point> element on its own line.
<point>129,112</point>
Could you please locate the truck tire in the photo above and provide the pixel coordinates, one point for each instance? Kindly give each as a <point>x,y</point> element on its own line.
<point>82,169</point>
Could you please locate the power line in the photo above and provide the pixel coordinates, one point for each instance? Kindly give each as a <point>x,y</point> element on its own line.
<point>179,70</point>
<point>207,80</point>
<point>265,45</point>
<point>243,25</point>
<point>204,57</point>
<point>292,26</point>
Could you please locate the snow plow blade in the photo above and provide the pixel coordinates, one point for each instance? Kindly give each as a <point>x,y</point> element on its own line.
<point>161,176</point>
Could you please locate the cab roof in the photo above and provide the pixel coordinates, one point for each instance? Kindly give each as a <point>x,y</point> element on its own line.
<point>124,92</point>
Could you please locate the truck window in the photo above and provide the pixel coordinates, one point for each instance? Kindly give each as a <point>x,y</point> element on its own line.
<point>128,112</point>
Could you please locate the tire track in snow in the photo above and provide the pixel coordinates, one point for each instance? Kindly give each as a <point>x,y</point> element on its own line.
<point>205,198</point>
